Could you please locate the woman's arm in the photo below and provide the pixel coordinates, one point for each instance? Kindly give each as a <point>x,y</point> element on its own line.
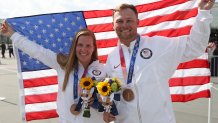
<point>34,50</point>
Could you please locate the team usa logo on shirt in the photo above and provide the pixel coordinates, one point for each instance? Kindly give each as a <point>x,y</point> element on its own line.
<point>96,72</point>
<point>146,53</point>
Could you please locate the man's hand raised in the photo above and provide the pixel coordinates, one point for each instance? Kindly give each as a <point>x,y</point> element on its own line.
<point>206,4</point>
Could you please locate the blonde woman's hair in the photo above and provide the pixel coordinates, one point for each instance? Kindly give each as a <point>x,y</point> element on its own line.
<point>69,62</point>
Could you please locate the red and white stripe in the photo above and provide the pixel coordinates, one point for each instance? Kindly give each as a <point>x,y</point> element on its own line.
<point>169,18</point>
<point>40,89</point>
<point>191,80</point>
<point>166,18</point>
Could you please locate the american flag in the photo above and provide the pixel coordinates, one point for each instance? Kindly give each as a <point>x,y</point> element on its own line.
<point>55,31</point>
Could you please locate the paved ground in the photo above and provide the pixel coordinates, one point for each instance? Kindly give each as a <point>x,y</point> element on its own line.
<point>191,112</point>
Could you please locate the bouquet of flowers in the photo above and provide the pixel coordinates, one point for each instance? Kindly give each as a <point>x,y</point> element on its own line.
<point>107,90</point>
<point>87,85</point>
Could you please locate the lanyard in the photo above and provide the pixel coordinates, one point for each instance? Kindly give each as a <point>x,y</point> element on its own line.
<point>76,78</point>
<point>132,61</point>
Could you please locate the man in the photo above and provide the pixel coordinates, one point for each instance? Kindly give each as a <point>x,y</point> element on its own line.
<point>3,47</point>
<point>10,49</point>
<point>144,64</point>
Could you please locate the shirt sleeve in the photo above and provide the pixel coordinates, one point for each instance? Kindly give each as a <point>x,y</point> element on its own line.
<point>34,50</point>
<point>199,36</point>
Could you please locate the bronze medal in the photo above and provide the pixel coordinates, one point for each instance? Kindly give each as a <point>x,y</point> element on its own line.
<point>73,111</point>
<point>128,95</point>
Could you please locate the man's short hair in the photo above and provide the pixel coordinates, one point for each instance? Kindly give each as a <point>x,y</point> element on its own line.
<point>125,6</point>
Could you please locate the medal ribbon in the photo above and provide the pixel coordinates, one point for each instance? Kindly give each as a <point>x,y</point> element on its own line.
<point>76,79</point>
<point>132,61</point>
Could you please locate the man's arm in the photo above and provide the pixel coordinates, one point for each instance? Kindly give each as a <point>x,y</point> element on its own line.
<point>199,35</point>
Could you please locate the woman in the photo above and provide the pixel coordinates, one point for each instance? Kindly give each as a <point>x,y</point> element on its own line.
<point>81,59</point>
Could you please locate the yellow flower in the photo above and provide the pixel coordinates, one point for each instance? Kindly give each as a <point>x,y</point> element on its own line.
<point>104,88</point>
<point>86,83</point>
